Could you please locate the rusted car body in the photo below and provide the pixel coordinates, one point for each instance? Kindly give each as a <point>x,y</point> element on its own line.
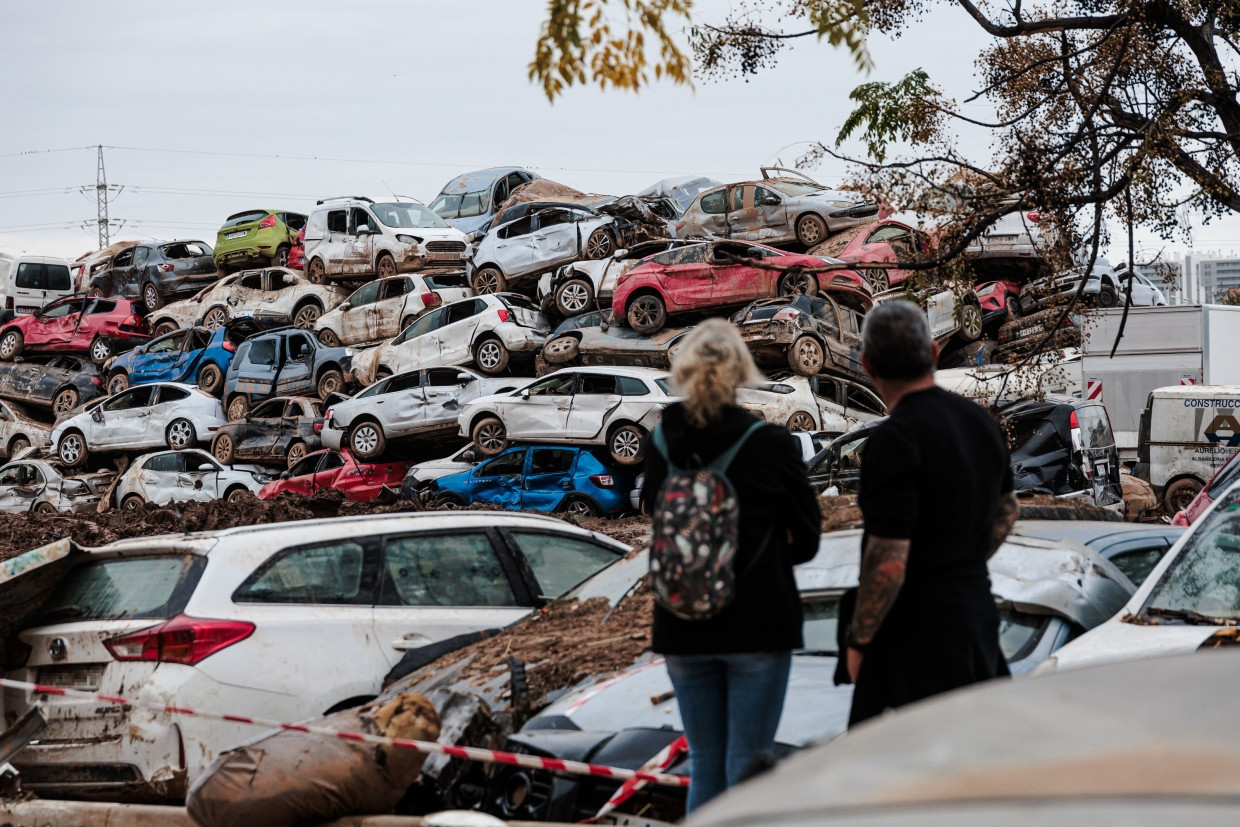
<point>58,382</point>
<point>19,431</point>
<point>278,432</point>
<point>589,340</point>
<point>809,334</point>
<point>273,297</point>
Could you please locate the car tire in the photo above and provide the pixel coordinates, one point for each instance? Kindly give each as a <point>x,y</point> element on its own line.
<point>800,421</point>
<point>491,356</point>
<point>449,501</point>
<point>574,297</point>
<point>215,318</point>
<point>237,494</point>
<point>151,297</point>
<point>561,350</point>
<point>280,259</point>
<point>490,436</point>
<point>806,356</point>
<point>132,502</point>
<point>880,280</point>
<point>117,382</point>
<point>12,343</point>
<point>796,283</point>
<point>65,401</point>
<point>330,381</point>
<point>72,449</point>
<point>165,326</point>
<point>100,351</point>
<point>328,338</point>
<point>238,407</point>
<point>180,434</point>
<point>1107,296</point>
<point>578,508</point>
<point>811,230</point>
<point>385,266</point>
<point>1013,307</point>
<point>45,508</point>
<point>646,314</point>
<point>316,273</point>
<point>306,315</point>
<point>296,453</point>
<point>223,449</point>
<point>405,322</point>
<point>624,444</point>
<point>970,322</point>
<point>211,378</point>
<point>489,280</point>
<point>366,439</point>
<point>600,244</point>
<point>1178,495</point>
<point>381,373</point>
<point>17,445</point>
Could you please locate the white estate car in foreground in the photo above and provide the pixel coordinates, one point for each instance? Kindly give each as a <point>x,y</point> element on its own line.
<point>380,309</point>
<point>419,403</point>
<point>170,414</point>
<point>612,407</point>
<point>284,621</point>
<point>178,476</point>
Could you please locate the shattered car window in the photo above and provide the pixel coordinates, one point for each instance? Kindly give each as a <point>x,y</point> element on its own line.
<point>139,587</point>
<point>446,570</point>
<point>561,562</point>
<point>1205,577</point>
<point>401,216</point>
<point>185,249</point>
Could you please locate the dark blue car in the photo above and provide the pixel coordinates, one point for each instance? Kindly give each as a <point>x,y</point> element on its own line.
<point>568,480</point>
<point>196,355</point>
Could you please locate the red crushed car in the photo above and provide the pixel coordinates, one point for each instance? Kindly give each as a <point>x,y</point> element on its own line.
<point>1223,478</point>
<point>705,277</point>
<point>297,253</point>
<point>360,481</point>
<point>1000,301</point>
<point>894,239</point>
<point>99,326</point>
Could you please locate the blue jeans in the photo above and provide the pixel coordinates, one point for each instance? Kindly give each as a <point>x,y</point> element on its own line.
<point>730,706</point>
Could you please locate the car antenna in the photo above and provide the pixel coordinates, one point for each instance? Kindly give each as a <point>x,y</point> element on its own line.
<point>389,189</point>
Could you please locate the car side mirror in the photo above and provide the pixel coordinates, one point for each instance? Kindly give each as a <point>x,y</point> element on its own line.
<point>345,307</point>
<point>464,378</point>
<point>469,456</point>
<point>284,475</point>
<point>770,201</point>
<point>206,466</point>
<point>621,253</point>
<point>525,394</point>
<point>97,414</point>
<point>364,229</point>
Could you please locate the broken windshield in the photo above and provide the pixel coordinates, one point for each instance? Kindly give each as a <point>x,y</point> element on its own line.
<point>1203,582</point>
<point>406,216</point>
<point>462,205</point>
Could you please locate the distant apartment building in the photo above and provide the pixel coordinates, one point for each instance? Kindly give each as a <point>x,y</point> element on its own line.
<point>1217,275</point>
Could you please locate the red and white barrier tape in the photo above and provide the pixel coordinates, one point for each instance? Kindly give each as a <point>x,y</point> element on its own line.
<point>665,758</point>
<point>489,756</point>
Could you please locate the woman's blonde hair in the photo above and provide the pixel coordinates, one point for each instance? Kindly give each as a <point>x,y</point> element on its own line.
<point>711,363</point>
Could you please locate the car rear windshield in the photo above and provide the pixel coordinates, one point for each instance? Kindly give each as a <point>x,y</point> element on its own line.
<point>122,588</point>
<point>185,249</point>
<point>244,218</point>
<point>516,301</point>
<point>406,216</point>
<point>31,276</point>
<point>442,282</point>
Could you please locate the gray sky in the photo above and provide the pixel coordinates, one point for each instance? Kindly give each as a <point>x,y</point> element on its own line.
<point>197,100</point>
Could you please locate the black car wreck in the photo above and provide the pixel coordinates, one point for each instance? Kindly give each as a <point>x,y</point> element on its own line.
<point>49,380</point>
<point>157,272</point>
<point>809,334</point>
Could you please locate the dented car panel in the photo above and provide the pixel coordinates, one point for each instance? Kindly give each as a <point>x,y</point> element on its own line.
<point>157,271</point>
<point>272,432</point>
<point>596,343</point>
<point>272,297</point>
<point>383,308</point>
<point>58,382</point>
<point>29,484</point>
<point>523,249</point>
<point>772,328</point>
<point>18,431</point>
<point>191,475</point>
<point>597,278</point>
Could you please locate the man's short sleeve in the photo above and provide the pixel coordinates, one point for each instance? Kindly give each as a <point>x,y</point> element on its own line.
<point>890,468</point>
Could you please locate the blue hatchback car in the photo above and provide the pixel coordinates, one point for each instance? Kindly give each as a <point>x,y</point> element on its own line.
<point>196,355</point>
<point>557,478</point>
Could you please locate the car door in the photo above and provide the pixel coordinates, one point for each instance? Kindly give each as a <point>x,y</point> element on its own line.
<point>541,410</point>
<point>418,344</point>
<point>155,361</point>
<point>442,389</point>
<point>437,585</point>
<point>596,396</point>
<point>498,481</point>
<point>19,486</point>
<point>56,373</point>
<point>300,479</point>
<point>122,420</point>
<point>713,208</point>
<point>514,246</point>
<point>389,309</point>
<point>548,478</point>
<point>360,322</point>
<point>297,373</point>
<point>401,408</point>
<point>769,214</point>
<point>359,249</point>
<point>56,324</point>
<point>166,405</point>
<point>458,325</point>
<point>193,483</point>
<point>157,480</point>
<point>260,364</point>
<point>257,437</point>
<point>93,320</point>
<point>120,274</point>
<point>337,242</point>
<point>555,237</point>
<point>331,466</point>
<point>1143,294</point>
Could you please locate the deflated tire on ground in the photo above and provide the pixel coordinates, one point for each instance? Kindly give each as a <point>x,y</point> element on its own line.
<point>289,778</point>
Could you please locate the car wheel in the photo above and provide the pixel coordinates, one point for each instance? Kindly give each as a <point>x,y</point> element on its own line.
<point>1180,494</point>
<point>222,449</point>
<point>600,244</point>
<point>367,440</point>
<point>490,436</point>
<point>215,318</point>
<point>970,322</point>
<point>72,449</point>
<point>100,351</point>
<point>1013,308</point>
<point>385,266</point>
<point>489,280</point>
<point>151,297</point>
<point>118,382</point>
<point>210,378</point>
<point>801,421</point>
<point>381,373</point>
<point>166,326</point>
<point>11,345</point>
<point>449,501</point>
<point>18,445</point>
<point>405,322</point>
<point>491,356</point>
<point>796,282</point>
<point>280,259</point>
<point>328,339</point>
<point>132,503</point>
<point>238,407</point>
<point>1107,297</point>
<point>65,401</point>
<point>45,508</point>
<point>296,453</point>
<point>574,297</point>
<point>879,280</point>
<point>305,316</point>
<point>181,434</point>
<point>806,356</point>
<point>316,273</point>
<point>646,314</point>
<point>561,350</point>
<point>625,444</point>
<point>237,495</point>
<point>578,507</point>
<point>811,230</point>
<point>330,382</point>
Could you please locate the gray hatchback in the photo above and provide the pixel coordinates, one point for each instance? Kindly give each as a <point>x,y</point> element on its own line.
<point>285,362</point>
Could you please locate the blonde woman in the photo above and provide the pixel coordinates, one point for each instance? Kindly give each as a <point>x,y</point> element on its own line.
<point>730,672</point>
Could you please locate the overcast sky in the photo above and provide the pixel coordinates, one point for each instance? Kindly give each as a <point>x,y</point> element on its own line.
<point>206,109</point>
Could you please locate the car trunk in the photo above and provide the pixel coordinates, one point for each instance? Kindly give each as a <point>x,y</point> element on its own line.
<point>450,287</point>
<point>526,313</point>
<point>185,262</point>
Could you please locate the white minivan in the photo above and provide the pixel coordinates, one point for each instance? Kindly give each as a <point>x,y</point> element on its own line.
<point>27,283</point>
<point>1187,433</point>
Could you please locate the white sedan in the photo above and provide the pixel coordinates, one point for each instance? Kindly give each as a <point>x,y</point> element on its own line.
<point>161,414</point>
<point>417,404</point>
<point>811,403</point>
<point>274,296</point>
<point>614,407</point>
<point>382,308</point>
<point>178,476</point>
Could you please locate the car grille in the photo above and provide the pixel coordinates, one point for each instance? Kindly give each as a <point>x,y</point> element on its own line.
<point>35,775</point>
<point>445,247</point>
<point>85,676</point>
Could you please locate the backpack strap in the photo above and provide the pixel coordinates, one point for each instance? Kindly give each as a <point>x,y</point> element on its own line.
<point>660,444</point>
<point>720,464</point>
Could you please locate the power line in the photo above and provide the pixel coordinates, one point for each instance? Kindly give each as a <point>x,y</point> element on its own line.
<point>29,152</point>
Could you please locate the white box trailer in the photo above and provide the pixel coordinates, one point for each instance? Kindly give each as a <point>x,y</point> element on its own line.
<point>1170,345</point>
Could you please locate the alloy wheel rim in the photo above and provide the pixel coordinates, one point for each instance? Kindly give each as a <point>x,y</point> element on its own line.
<point>560,347</point>
<point>644,311</point>
<point>306,317</point>
<point>63,403</point>
<point>809,356</point>
<point>573,297</point>
<point>598,246</point>
<point>214,319</point>
<point>800,422</point>
<point>812,232</point>
<point>578,509</point>
<point>487,282</point>
<point>151,296</point>
<point>626,444</point>
<point>179,434</point>
<point>70,450</point>
<point>491,437</point>
<point>488,355</point>
<point>387,267</point>
<point>296,453</point>
<point>8,346</point>
<point>222,447</point>
<point>365,439</point>
<point>99,351</point>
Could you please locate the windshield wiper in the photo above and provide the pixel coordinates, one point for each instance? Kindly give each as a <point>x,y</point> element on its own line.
<point>1189,616</point>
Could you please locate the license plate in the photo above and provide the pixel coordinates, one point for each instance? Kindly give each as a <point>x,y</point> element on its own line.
<point>26,309</point>
<point>1001,238</point>
<point>446,256</point>
<point>239,234</point>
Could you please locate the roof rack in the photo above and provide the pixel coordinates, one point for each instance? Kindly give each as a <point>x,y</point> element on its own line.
<point>345,198</point>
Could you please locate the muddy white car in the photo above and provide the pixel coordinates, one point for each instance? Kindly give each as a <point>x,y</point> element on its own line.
<point>519,251</point>
<point>611,407</point>
<point>380,309</point>
<point>162,414</point>
<point>181,476</point>
<point>273,297</point>
<point>327,607</point>
<point>802,403</point>
<point>489,331</point>
<point>18,431</point>
<point>39,486</point>
<point>418,404</point>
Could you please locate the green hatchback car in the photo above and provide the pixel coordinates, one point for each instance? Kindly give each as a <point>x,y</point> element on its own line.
<point>257,238</point>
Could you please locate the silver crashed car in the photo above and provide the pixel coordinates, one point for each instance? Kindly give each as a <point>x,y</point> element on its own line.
<point>39,486</point>
<point>786,206</point>
<point>519,251</point>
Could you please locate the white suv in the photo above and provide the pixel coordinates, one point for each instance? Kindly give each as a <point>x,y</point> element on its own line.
<point>285,621</point>
<point>356,238</point>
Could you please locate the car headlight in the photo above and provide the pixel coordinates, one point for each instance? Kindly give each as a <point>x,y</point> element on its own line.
<point>843,205</point>
<point>409,239</point>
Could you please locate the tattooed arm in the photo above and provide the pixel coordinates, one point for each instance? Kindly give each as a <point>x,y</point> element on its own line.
<point>882,575</point>
<point>1009,511</point>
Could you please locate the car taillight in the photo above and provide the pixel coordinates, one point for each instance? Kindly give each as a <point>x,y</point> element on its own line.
<point>505,315</point>
<point>269,221</point>
<point>182,639</point>
<point>1034,216</point>
<point>1077,442</point>
<point>95,380</point>
<point>430,299</point>
<point>786,314</point>
<point>16,653</point>
<point>229,346</point>
<point>166,268</point>
<point>134,323</point>
<point>318,427</point>
<point>603,480</point>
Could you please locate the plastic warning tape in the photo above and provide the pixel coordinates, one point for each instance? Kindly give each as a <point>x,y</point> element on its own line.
<point>490,756</point>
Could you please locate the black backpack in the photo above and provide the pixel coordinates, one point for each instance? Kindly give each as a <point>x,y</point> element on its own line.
<point>696,524</point>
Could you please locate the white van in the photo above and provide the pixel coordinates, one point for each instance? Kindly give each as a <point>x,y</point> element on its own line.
<point>1187,433</point>
<point>29,282</point>
<point>356,238</point>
